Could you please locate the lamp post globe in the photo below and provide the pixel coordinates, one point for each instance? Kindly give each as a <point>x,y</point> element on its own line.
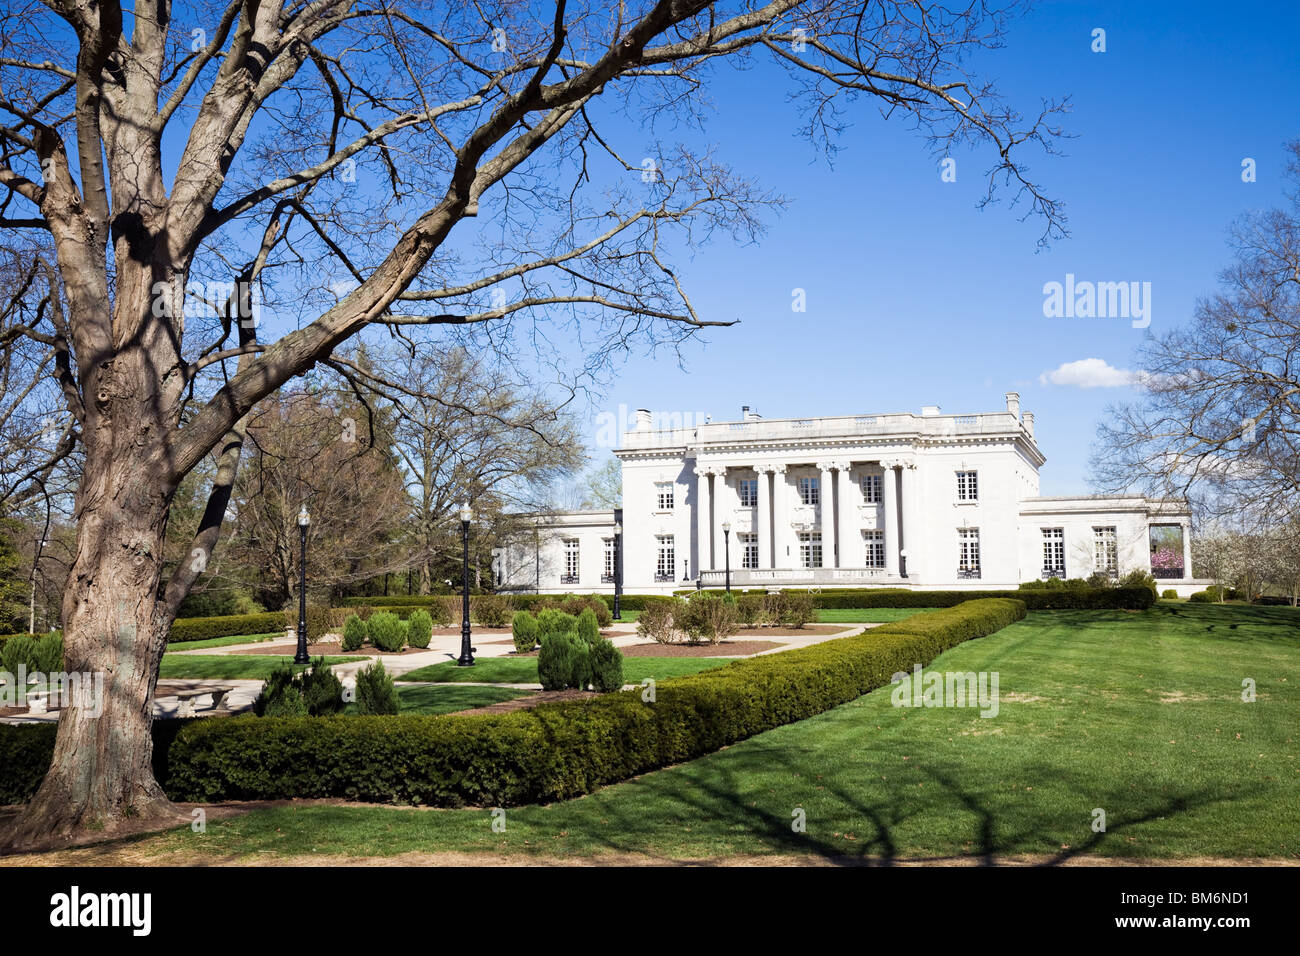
<point>304,521</point>
<point>466,658</point>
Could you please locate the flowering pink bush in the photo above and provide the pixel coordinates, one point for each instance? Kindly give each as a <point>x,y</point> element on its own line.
<point>1166,559</point>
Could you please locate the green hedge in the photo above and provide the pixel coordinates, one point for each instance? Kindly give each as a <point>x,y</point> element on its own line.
<point>1130,599</point>
<point>204,628</point>
<point>552,752</point>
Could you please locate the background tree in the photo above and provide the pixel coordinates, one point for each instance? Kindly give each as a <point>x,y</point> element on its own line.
<point>1219,418</point>
<point>465,432</point>
<point>313,448</point>
<point>195,280</point>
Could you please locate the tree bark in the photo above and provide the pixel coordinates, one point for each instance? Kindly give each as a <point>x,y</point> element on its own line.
<point>115,625</point>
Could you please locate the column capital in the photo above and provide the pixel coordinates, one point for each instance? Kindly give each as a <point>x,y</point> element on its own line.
<point>779,469</point>
<point>826,465</point>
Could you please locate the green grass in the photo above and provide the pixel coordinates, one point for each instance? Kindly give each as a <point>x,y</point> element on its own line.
<point>226,641</point>
<point>869,615</point>
<point>447,698</point>
<point>229,666</point>
<point>523,670</point>
<point>1139,714</point>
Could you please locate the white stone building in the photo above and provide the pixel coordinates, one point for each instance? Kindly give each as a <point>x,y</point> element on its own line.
<point>902,500</point>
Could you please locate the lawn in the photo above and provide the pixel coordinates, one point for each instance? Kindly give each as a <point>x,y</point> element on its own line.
<point>225,641</point>
<point>229,666</point>
<point>446,698</point>
<point>523,670</point>
<point>1138,714</point>
<point>869,615</point>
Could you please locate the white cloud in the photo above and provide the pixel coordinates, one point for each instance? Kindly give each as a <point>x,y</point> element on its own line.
<point>1090,373</point>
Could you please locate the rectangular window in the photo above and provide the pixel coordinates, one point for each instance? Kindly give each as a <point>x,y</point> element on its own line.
<point>967,486</point>
<point>748,492</point>
<point>810,490</point>
<point>872,489</point>
<point>1053,552</point>
<point>874,544</point>
<point>748,549</point>
<point>968,558</point>
<point>810,549</point>
<point>665,495</point>
<point>607,575</point>
<point>570,575</point>
<point>666,558</point>
<point>1105,552</point>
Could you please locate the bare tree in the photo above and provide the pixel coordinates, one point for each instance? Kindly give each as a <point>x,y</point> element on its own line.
<point>481,119</point>
<point>1219,420</point>
<point>313,449</point>
<point>465,432</point>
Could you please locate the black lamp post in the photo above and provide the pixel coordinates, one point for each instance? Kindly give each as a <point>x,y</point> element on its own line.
<point>902,563</point>
<point>726,550</point>
<point>466,652</point>
<point>618,563</point>
<point>304,520</point>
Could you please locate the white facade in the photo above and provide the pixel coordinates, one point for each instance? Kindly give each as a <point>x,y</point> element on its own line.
<point>902,500</point>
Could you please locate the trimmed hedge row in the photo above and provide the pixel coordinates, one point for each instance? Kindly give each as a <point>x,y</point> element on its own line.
<point>552,752</point>
<point>204,628</point>
<point>1081,599</point>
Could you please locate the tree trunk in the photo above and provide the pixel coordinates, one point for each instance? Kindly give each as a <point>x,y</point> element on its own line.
<point>114,625</point>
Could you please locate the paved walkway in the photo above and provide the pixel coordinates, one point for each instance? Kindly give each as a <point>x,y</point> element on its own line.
<point>442,648</point>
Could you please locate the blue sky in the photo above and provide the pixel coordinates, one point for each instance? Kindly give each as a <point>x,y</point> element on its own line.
<point>915,296</point>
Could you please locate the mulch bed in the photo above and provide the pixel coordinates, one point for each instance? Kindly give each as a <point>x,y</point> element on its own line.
<point>475,630</point>
<point>532,700</point>
<point>723,649</point>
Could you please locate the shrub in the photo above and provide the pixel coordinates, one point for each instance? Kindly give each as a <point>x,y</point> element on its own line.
<point>1100,579</point>
<point>204,628</point>
<point>387,631</point>
<point>1204,597</point>
<point>316,692</point>
<point>551,752</point>
<point>355,633</point>
<point>321,689</point>
<point>1169,594</point>
<point>588,629</point>
<point>442,611</point>
<point>796,610</point>
<point>749,609</point>
<point>376,693</point>
<point>562,662</point>
<point>553,621</point>
<point>419,628</point>
<point>657,621</point>
<point>491,610</point>
<point>524,628</point>
<point>708,617</point>
<point>1137,578</point>
<point>606,665</point>
<point>18,651</point>
<point>320,620</point>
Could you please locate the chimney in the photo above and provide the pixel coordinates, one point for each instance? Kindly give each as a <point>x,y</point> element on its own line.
<point>929,411</point>
<point>1013,404</point>
<point>1029,424</point>
<point>747,414</point>
<point>642,419</point>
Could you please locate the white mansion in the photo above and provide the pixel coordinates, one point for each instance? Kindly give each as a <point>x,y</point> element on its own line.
<point>902,500</point>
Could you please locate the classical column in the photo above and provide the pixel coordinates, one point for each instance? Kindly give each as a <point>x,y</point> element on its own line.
<point>890,489</point>
<point>908,535</point>
<point>1187,550</point>
<point>763,515</point>
<point>723,505</point>
<point>850,535</point>
<point>826,514</point>
<point>780,518</point>
<point>701,520</point>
